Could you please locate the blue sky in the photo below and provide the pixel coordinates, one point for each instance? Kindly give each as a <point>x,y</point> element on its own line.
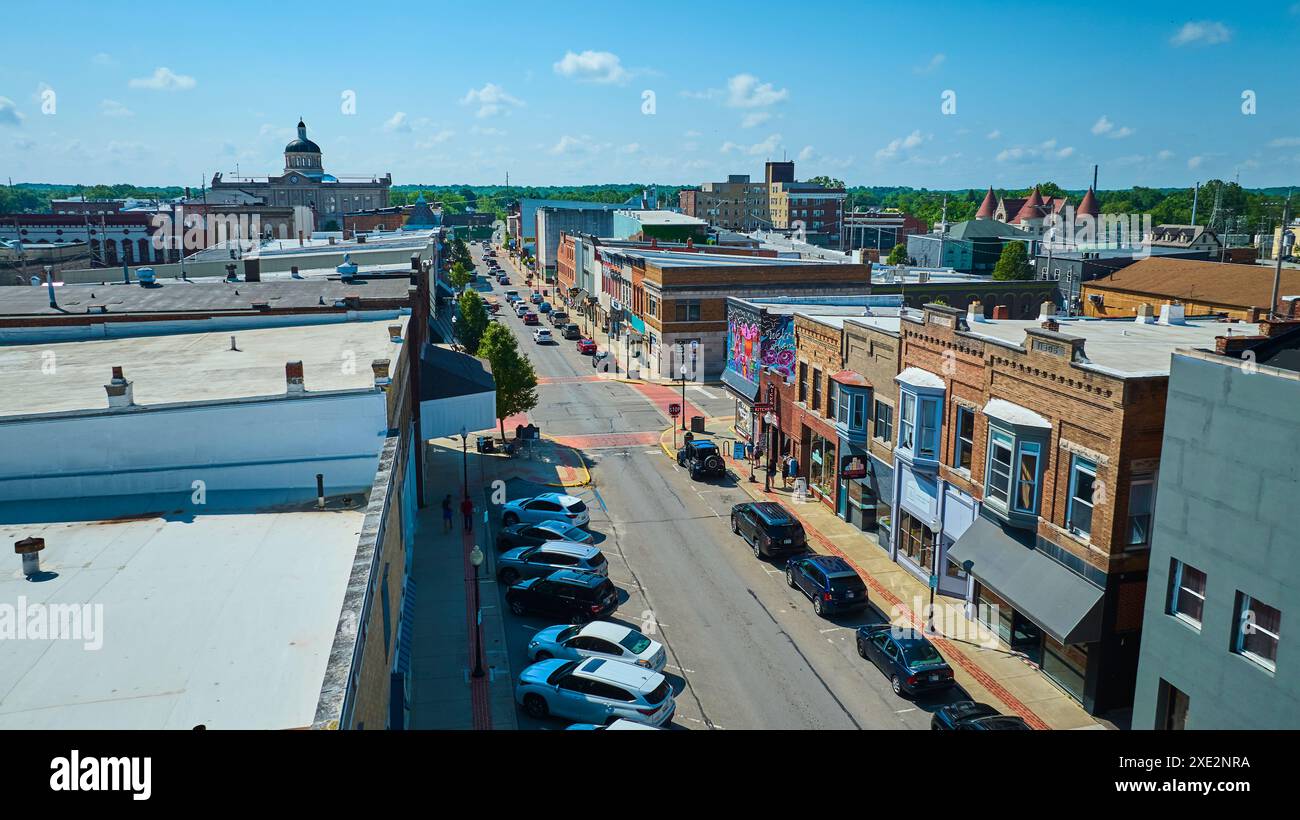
<point>463,93</point>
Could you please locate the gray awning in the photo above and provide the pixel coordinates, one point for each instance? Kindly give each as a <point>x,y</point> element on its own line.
<point>741,386</point>
<point>1064,605</point>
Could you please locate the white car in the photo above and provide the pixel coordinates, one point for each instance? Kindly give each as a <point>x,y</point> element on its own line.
<point>521,308</point>
<point>618,725</point>
<point>542,336</point>
<point>546,507</point>
<point>596,691</point>
<point>598,639</point>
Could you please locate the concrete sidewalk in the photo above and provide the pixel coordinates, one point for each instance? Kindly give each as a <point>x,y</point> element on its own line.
<point>996,676</point>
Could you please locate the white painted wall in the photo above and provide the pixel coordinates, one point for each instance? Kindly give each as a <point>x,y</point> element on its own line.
<point>271,445</point>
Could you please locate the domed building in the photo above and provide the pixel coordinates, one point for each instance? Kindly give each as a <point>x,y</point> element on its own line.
<point>304,183</point>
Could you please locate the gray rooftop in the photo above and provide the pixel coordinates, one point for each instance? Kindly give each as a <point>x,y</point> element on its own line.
<point>200,296</point>
<point>220,620</point>
<point>193,367</point>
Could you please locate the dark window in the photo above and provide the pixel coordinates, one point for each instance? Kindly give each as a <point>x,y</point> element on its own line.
<point>965,438</point>
<point>884,421</point>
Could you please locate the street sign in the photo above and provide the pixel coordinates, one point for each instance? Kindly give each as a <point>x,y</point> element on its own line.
<point>762,408</point>
<point>934,582</point>
<point>674,410</point>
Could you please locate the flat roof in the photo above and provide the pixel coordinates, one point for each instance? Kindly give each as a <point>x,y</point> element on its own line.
<point>661,217</point>
<point>205,295</point>
<point>1121,347</point>
<point>220,620</point>
<point>193,367</point>
<point>671,259</point>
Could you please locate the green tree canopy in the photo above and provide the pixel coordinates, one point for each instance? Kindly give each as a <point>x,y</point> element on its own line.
<point>827,182</point>
<point>516,381</point>
<point>897,255</point>
<point>473,321</point>
<point>460,276</point>
<point>1013,264</point>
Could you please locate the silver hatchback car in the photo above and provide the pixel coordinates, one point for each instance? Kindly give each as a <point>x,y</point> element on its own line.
<point>538,562</point>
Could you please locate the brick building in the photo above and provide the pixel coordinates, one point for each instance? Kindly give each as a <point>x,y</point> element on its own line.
<point>1202,288</point>
<point>1026,455</point>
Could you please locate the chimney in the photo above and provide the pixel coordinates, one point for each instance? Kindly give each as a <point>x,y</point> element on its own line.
<point>394,333</point>
<point>1232,345</point>
<point>1051,324</point>
<point>1145,315</point>
<point>1046,311</point>
<point>299,238</point>
<point>30,550</point>
<point>252,269</point>
<point>380,369</point>
<point>293,378</point>
<point>1001,312</point>
<point>1171,314</point>
<point>974,312</point>
<point>119,390</point>
<point>352,301</point>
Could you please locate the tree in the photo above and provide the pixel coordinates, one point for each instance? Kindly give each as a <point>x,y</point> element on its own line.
<point>460,277</point>
<point>460,253</point>
<point>1012,264</point>
<point>513,373</point>
<point>897,255</point>
<point>473,321</point>
<point>827,182</point>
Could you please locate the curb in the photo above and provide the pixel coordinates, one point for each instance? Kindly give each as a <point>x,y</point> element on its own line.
<point>581,461</point>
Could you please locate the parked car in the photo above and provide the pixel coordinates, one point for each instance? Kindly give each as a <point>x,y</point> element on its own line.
<point>967,714</point>
<point>577,597</point>
<point>546,507</point>
<point>598,639</point>
<point>530,318</point>
<point>542,336</point>
<point>595,691</point>
<point>559,318</point>
<point>521,309</point>
<point>572,331</point>
<point>769,528</point>
<point>620,723</point>
<point>911,662</point>
<point>702,458</point>
<point>531,535</point>
<point>512,295</point>
<point>586,346</point>
<point>828,581</point>
<point>544,307</point>
<point>540,561</point>
<point>536,298</point>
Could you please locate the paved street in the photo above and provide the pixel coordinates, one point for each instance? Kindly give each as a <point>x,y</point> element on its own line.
<point>745,650</point>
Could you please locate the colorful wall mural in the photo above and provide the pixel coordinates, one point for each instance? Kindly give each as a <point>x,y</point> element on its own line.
<point>759,340</point>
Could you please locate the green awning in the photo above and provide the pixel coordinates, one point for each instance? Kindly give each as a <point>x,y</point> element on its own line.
<point>1061,603</point>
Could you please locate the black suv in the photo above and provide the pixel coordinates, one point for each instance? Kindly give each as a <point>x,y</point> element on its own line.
<point>829,581</point>
<point>769,528</point>
<point>575,596</point>
<point>703,458</point>
<point>572,331</point>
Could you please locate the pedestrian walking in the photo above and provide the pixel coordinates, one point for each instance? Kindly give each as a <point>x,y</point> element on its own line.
<point>467,509</point>
<point>446,513</point>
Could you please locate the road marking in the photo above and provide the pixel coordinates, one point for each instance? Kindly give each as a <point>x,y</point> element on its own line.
<point>678,668</point>
<point>904,711</point>
<point>832,629</point>
<point>598,498</point>
<point>705,392</point>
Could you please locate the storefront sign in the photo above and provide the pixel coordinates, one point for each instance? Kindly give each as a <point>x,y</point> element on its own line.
<point>853,466</point>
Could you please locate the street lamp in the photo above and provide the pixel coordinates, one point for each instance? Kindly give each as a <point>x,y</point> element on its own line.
<point>464,458</point>
<point>684,371</point>
<point>476,559</point>
<point>769,421</point>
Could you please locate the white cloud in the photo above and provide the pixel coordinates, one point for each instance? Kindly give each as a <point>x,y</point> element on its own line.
<point>806,154</point>
<point>1065,152</point>
<point>569,145</point>
<point>994,134</point>
<point>630,148</point>
<point>486,131</point>
<point>437,138</point>
<point>745,91</point>
<point>900,144</point>
<point>935,63</point>
<point>592,66</point>
<point>1044,150</point>
<point>692,134</point>
<point>398,123</point>
<point>706,94</point>
<point>1105,127</point>
<point>9,113</point>
<point>1195,162</point>
<point>164,79</point>
<point>1285,142</point>
<point>113,108</point>
<point>1203,32</point>
<point>755,118</point>
<point>765,148</point>
<point>491,99</point>
<point>1164,155</point>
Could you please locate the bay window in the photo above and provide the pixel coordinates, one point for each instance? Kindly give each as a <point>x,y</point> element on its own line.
<point>928,443</point>
<point>905,421</point>
<point>1083,479</point>
<point>1027,478</point>
<point>998,482</point>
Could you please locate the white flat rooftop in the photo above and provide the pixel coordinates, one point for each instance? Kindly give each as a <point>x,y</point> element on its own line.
<point>1122,347</point>
<point>220,620</point>
<point>190,367</point>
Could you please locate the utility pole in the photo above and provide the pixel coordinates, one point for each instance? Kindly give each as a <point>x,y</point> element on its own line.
<point>1277,266</point>
<point>1196,194</point>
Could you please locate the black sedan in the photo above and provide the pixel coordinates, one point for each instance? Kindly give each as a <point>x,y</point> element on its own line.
<point>948,717</point>
<point>911,662</point>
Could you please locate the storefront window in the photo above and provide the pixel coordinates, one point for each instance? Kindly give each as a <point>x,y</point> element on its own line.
<point>821,464</point>
<point>915,541</point>
<point>1067,665</point>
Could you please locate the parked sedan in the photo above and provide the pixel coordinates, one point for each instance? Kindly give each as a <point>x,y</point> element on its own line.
<point>595,691</point>
<point>533,562</point>
<point>598,639</point>
<point>969,715</point>
<point>532,535</point>
<point>910,661</point>
<point>546,507</point>
<point>586,346</point>
<point>620,724</point>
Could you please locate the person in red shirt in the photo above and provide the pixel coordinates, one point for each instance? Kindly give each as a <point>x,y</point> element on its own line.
<point>467,509</point>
